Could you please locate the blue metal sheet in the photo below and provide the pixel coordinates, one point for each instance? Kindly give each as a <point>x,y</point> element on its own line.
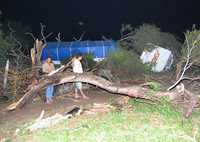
<point>63,50</point>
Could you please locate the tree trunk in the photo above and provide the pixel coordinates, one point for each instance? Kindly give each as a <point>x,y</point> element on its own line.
<point>60,78</point>
<point>5,78</point>
<point>68,77</point>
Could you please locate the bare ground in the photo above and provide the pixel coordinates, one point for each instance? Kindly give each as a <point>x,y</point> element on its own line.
<point>10,121</point>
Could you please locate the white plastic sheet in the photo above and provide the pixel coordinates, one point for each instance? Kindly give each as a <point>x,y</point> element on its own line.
<point>163,58</point>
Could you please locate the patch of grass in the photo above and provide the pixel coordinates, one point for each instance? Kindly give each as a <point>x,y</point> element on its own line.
<point>144,123</point>
<point>6,140</point>
<point>163,108</point>
<point>51,136</point>
<point>168,114</point>
<point>155,86</point>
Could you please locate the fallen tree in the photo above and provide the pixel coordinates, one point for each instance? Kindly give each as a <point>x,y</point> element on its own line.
<point>132,91</point>
<point>68,77</point>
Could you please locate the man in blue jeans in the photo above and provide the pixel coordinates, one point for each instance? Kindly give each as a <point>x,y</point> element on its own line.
<point>48,67</point>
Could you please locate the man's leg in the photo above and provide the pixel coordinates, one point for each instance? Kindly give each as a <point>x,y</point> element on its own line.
<point>49,93</point>
<point>79,85</point>
<point>76,93</point>
<point>76,90</point>
<point>83,95</point>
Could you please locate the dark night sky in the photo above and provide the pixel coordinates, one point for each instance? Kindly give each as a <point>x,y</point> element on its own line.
<point>102,17</point>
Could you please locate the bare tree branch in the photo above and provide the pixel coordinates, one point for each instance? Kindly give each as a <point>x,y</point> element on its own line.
<point>58,38</point>
<point>31,34</point>
<point>82,35</point>
<point>187,65</point>
<point>125,38</point>
<point>12,36</point>
<point>75,39</point>
<point>192,79</point>
<point>80,38</point>
<point>16,51</point>
<point>42,32</point>
<point>47,36</point>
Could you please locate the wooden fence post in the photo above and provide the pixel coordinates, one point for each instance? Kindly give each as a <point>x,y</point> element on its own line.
<point>5,78</point>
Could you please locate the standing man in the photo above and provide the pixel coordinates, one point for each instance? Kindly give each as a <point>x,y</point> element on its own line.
<point>48,67</point>
<point>77,68</point>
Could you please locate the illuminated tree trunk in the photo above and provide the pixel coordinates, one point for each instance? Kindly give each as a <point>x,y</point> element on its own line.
<point>131,91</point>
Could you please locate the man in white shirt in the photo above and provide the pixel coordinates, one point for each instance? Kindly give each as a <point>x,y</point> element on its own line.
<point>77,68</point>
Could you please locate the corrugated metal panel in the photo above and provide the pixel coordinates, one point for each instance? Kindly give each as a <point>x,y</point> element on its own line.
<point>62,50</point>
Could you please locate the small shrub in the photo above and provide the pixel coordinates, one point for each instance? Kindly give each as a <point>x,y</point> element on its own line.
<point>190,50</point>
<point>88,62</point>
<point>125,64</point>
<point>192,41</point>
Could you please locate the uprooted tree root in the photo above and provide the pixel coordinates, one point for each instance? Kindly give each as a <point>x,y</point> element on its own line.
<point>131,91</point>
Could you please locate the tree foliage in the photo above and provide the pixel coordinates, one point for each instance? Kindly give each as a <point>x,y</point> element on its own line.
<point>5,46</point>
<point>139,38</point>
<point>192,40</point>
<point>19,33</point>
<point>125,64</point>
<point>14,44</point>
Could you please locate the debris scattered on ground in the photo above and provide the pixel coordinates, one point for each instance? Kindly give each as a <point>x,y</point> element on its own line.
<point>98,108</point>
<point>47,122</point>
<point>95,108</point>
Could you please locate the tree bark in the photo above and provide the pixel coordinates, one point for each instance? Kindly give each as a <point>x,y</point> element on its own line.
<point>68,77</point>
<point>5,78</point>
<point>60,78</point>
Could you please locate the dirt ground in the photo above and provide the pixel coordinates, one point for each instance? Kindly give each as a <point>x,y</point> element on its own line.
<point>9,121</point>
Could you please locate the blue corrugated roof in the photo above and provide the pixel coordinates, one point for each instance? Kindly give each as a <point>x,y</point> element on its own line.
<point>62,50</point>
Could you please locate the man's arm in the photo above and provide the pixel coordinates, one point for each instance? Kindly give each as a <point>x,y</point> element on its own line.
<point>52,67</point>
